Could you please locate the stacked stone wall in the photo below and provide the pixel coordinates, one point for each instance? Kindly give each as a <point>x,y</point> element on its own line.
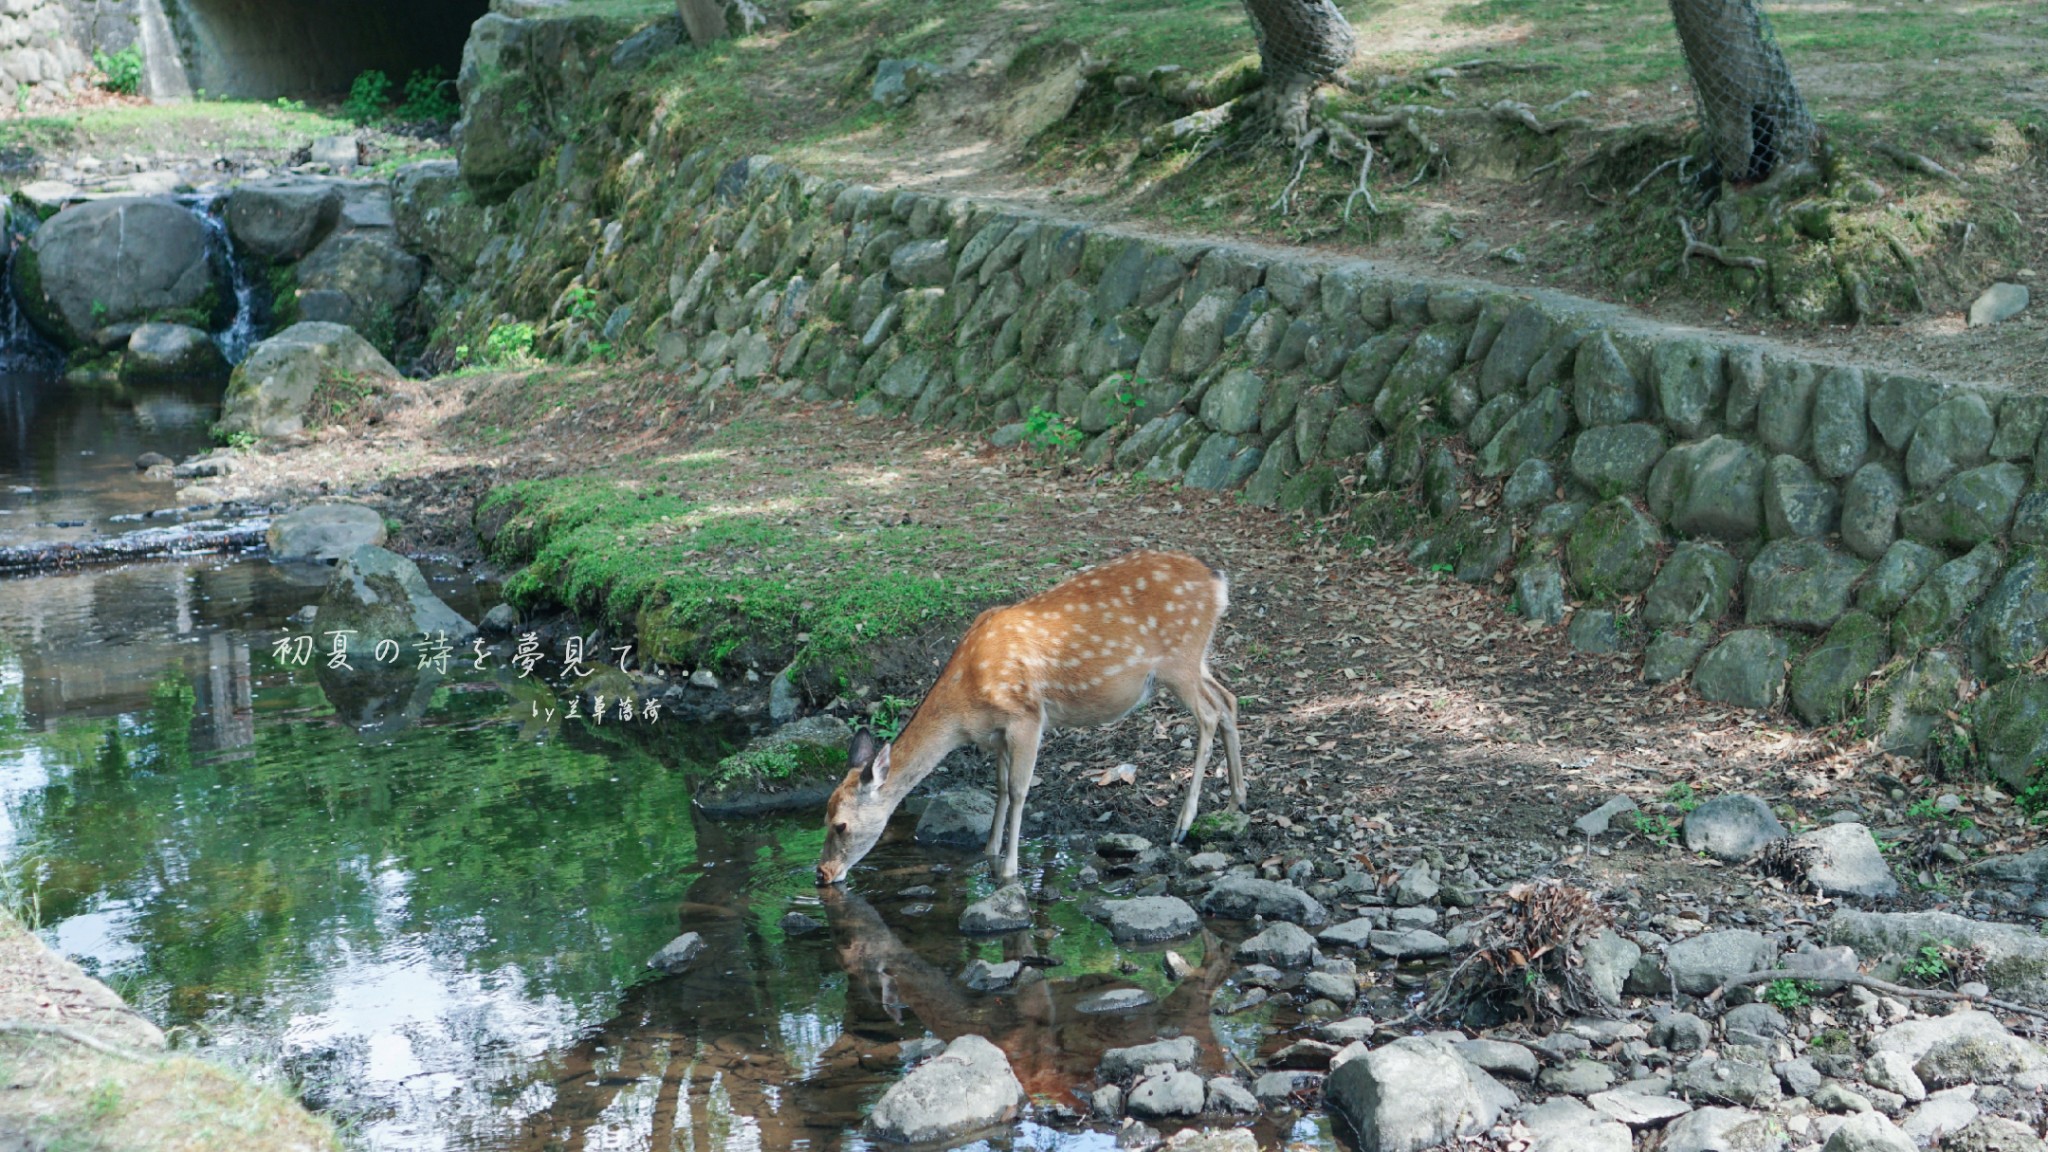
<point>1850,542</point>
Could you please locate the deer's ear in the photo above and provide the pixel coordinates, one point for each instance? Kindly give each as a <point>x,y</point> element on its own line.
<point>877,769</point>
<point>862,752</point>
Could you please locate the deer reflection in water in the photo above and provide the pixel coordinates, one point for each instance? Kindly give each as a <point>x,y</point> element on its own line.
<point>722,1057</point>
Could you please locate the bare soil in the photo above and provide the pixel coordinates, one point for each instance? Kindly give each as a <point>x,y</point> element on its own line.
<point>1389,713</point>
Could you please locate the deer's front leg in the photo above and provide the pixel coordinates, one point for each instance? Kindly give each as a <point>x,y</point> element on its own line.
<point>1022,737</point>
<point>994,847</point>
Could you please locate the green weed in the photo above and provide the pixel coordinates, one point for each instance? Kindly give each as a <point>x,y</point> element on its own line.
<point>1929,965</point>
<point>1786,995</point>
<point>367,97</point>
<point>1050,431</point>
<point>120,71</point>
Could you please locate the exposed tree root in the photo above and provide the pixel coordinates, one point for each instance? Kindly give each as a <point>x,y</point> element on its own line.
<point>64,1032</point>
<point>1675,162</point>
<point>1914,162</point>
<point>1697,247</point>
<point>1872,983</point>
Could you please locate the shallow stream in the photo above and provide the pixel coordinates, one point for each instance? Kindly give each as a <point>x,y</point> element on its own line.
<point>428,909</point>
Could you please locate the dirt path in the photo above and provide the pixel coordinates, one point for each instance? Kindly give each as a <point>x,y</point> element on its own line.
<point>1391,713</point>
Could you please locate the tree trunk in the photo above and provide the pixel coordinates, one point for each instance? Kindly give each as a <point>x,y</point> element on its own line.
<point>1755,120</point>
<point>1301,44</point>
<point>703,19</point>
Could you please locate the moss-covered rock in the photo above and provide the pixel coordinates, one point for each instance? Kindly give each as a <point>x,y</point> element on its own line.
<point>1825,678</point>
<point>1613,551</point>
<point>1800,584</point>
<point>1904,707</point>
<point>2011,727</point>
<point>2012,623</point>
<point>1694,586</point>
<point>1746,669</point>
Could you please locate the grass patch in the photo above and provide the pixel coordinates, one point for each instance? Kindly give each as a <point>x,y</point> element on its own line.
<point>703,581</point>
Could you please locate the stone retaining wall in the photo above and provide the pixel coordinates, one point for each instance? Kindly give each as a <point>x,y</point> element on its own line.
<point>1846,540</point>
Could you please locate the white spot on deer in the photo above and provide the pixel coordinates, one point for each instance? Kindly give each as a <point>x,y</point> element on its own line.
<point>1140,584</point>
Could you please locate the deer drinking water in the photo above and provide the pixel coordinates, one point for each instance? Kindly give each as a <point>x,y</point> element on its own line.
<point>1087,651</point>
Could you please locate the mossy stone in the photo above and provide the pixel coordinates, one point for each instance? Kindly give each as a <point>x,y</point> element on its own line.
<point>1948,594</point>
<point>2011,729</point>
<point>2011,629</point>
<point>1746,669</point>
<point>1824,679</point>
<point>1799,584</point>
<point>1694,586</point>
<point>1616,458</point>
<point>1613,551</point>
<point>1896,576</point>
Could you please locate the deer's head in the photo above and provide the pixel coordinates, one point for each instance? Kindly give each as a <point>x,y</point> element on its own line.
<point>859,808</point>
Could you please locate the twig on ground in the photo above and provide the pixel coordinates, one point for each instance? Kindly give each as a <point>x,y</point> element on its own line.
<point>1697,247</point>
<point>1914,162</point>
<point>65,1032</point>
<point>1870,982</point>
<point>1659,170</point>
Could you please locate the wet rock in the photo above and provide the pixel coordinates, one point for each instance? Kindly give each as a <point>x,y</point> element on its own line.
<point>2001,301</point>
<point>325,533</point>
<point>1114,1000</point>
<point>1243,897</point>
<point>966,1088</point>
<point>1171,1095</point>
<point>957,817</point>
<point>1747,669</point>
<point>1120,1064</point>
<point>1284,1089</point>
<point>1212,1140</point>
<point>1700,964</point>
<point>1723,1130</point>
<point>1565,1125</point>
<point>158,352</point>
<point>982,976</point>
<point>1284,945</point>
<point>798,923</point>
<point>1412,1094</point>
<point>1335,987</point>
<point>280,220</point>
<point>1408,944</point>
<point>1151,919</point>
<point>381,596</point>
<point>677,954</point>
<point>1847,862</point>
<point>271,388</point>
<point>96,271</point>
<point>1228,1097</point>
<point>1007,909</point>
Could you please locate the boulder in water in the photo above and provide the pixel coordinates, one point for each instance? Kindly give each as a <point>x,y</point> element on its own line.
<point>378,595</point>
<point>966,1088</point>
<point>271,389</point>
<point>95,272</point>
<point>281,220</point>
<point>325,533</point>
<point>171,352</point>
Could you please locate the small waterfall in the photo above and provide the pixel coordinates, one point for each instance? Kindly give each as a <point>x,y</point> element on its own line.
<point>234,341</point>
<point>22,348</point>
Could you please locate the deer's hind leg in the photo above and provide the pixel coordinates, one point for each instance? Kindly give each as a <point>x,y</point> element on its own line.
<point>1194,693</point>
<point>1225,703</point>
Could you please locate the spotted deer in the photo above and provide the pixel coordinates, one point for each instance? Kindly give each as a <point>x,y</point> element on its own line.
<point>1086,652</point>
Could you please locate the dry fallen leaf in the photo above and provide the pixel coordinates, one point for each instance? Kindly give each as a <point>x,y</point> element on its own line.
<point>1121,774</point>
